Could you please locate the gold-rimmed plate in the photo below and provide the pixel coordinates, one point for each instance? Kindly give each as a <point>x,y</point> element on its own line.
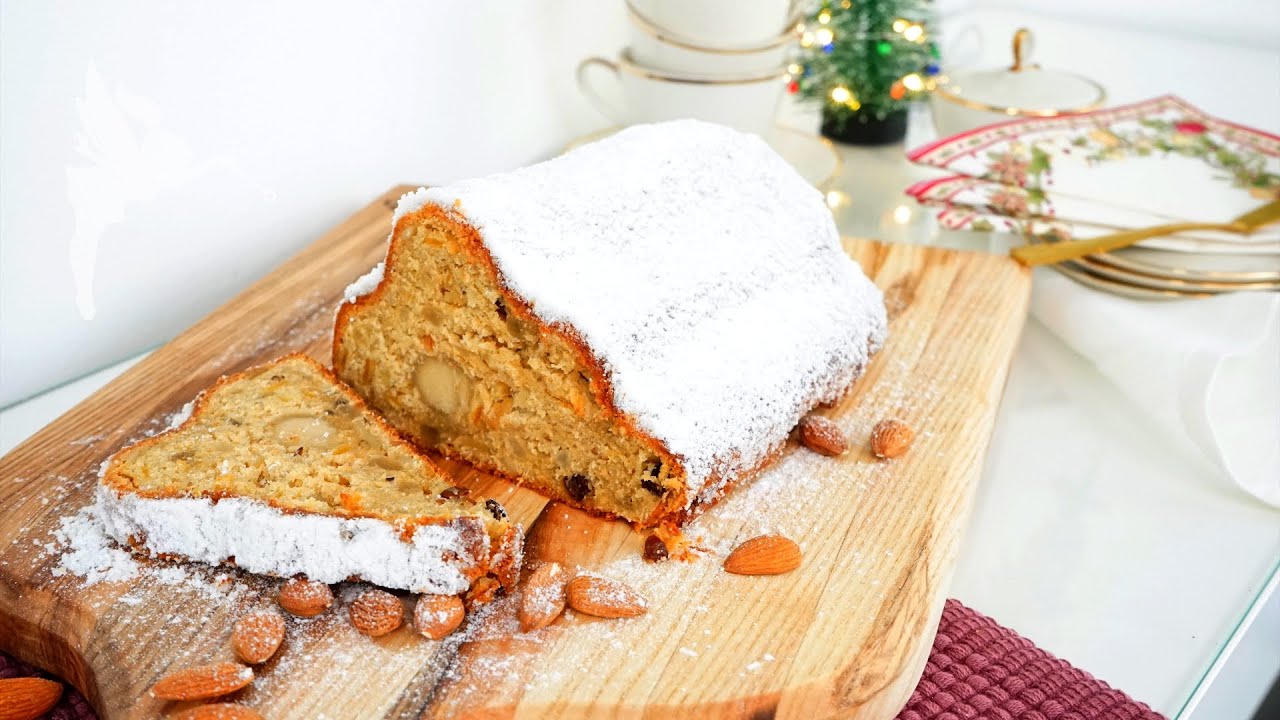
<point>1097,282</point>
<point>1096,266</point>
<point>1204,267</point>
<point>814,157</point>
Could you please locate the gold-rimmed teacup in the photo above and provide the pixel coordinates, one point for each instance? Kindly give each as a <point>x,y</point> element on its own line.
<point>720,26</point>
<point>641,94</point>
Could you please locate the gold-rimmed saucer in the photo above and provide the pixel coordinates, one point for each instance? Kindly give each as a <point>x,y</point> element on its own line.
<point>814,157</point>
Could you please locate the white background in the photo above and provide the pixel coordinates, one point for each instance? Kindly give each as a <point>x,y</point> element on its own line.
<point>155,157</point>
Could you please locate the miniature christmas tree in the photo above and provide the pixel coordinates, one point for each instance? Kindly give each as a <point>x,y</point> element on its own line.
<point>865,60</point>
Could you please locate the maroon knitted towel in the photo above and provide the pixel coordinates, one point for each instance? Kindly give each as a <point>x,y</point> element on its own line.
<point>978,669</point>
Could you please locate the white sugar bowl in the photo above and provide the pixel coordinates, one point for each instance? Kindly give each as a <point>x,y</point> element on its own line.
<point>971,99</point>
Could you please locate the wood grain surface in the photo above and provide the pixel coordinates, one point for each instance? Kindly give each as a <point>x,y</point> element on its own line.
<point>845,635</point>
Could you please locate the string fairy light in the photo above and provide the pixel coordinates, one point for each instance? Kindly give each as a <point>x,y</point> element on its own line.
<point>823,36</point>
<point>842,95</point>
<point>913,83</point>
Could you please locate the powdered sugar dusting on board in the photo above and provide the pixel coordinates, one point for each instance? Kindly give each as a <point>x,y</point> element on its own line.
<point>704,273</point>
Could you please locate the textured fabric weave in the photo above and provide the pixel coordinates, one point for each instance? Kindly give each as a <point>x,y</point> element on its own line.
<point>978,670</point>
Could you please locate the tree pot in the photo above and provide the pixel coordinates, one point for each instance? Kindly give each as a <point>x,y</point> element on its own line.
<point>864,128</point>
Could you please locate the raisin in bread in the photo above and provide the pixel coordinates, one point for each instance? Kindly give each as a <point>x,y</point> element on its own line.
<point>630,327</point>
<point>282,470</point>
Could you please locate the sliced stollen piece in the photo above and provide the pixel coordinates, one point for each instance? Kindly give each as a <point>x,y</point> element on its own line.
<point>283,470</point>
<point>630,327</point>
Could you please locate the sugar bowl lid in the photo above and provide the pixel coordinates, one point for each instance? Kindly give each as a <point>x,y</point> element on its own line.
<point>1023,89</point>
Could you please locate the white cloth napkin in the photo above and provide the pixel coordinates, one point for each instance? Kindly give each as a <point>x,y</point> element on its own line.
<point>1207,370</point>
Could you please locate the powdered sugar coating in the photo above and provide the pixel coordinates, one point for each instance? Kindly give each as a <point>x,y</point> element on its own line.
<point>702,271</point>
<point>265,540</point>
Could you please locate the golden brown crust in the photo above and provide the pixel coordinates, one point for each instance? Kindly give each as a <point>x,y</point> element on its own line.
<point>471,530</point>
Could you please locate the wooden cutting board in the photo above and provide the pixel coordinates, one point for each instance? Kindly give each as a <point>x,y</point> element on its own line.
<point>846,635</point>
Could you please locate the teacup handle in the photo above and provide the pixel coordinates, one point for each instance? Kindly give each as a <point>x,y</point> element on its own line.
<point>607,108</point>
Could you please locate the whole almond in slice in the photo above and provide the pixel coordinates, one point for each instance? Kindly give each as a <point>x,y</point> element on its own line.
<point>764,555</point>
<point>257,636</point>
<point>822,435</point>
<point>890,438</point>
<point>605,598</point>
<point>543,596</point>
<point>202,682</point>
<point>218,711</point>
<point>27,698</point>
<point>305,598</point>
<point>436,616</point>
<point>376,612</point>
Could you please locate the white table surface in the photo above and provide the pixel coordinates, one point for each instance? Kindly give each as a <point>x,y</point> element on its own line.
<point>1093,534</point>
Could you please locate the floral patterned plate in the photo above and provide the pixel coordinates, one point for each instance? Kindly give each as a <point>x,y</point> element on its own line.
<point>1082,218</point>
<point>1162,159</point>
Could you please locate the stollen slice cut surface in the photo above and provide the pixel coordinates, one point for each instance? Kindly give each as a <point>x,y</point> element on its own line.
<point>283,470</point>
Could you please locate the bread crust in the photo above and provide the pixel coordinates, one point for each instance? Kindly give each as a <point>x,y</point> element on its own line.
<point>676,507</point>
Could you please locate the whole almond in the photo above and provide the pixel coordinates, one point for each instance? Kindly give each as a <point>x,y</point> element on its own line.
<point>603,597</point>
<point>202,682</point>
<point>436,616</point>
<point>257,636</point>
<point>305,598</point>
<point>376,612</point>
<point>890,438</point>
<point>764,555</point>
<point>219,711</point>
<point>543,596</point>
<point>27,698</point>
<point>822,435</point>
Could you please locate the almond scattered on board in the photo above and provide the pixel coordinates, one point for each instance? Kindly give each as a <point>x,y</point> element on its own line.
<point>605,598</point>
<point>822,435</point>
<point>203,682</point>
<point>27,698</point>
<point>305,598</point>
<point>890,438</point>
<point>219,711</point>
<point>257,636</point>
<point>543,597</point>
<point>436,616</point>
<point>764,555</point>
<point>376,612</point>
